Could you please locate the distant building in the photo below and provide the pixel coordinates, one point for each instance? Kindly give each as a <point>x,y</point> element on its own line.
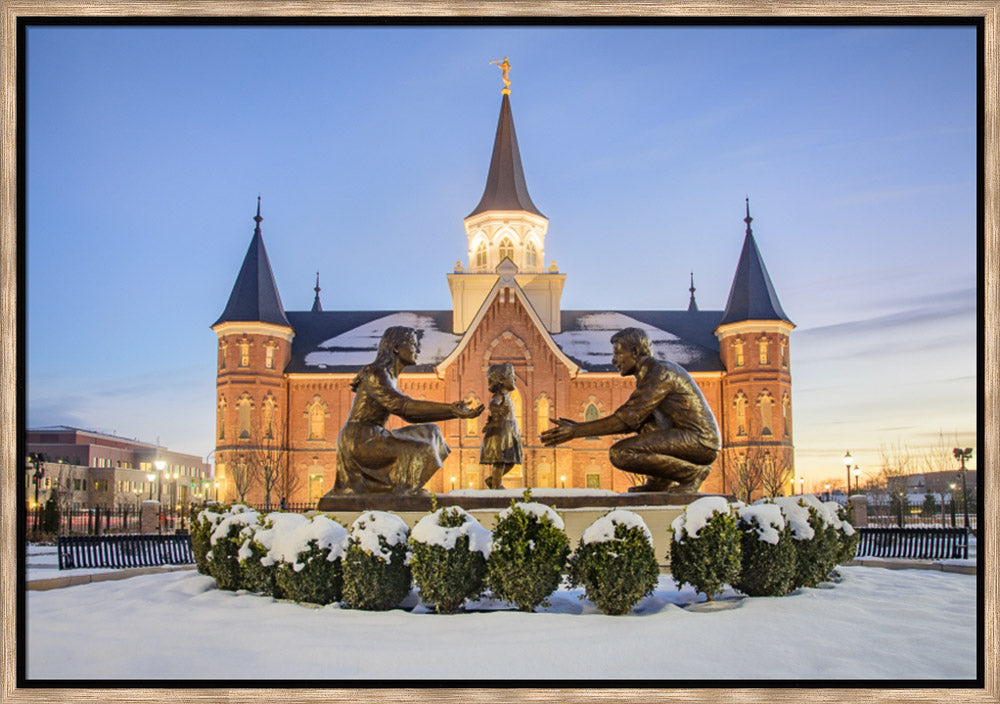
<point>938,483</point>
<point>283,377</point>
<point>91,469</point>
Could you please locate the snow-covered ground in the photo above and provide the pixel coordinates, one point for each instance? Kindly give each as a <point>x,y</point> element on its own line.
<point>875,624</point>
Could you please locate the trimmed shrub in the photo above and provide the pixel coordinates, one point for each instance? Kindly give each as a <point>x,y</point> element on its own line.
<point>259,568</point>
<point>225,541</point>
<point>615,562</point>
<point>448,556</point>
<point>705,551</point>
<point>310,560</point>
<point>376,573</point>
<point>847,537</point>
<point>51,513</point>
<point>202,525</point>
<point>815,539</point>
<point>767,552</point>
<point>529,553</point>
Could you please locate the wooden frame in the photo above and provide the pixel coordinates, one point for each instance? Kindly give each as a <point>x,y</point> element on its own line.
<point>989,10</point>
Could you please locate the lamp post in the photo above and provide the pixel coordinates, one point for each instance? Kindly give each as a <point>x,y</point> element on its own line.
<point>827,487</point>
<point>952,487</point>
<point>857,479</point>
<point>151,477</point>
<point>963,455</point>
<point>159,464</point>
<point>37,460</point>
<point>847,463</point>
<point>802,483</point>
<point>562,478</point>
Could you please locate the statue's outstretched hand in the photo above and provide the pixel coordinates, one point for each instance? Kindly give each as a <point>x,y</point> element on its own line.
<point>564,430</point>
<point>461,410</point>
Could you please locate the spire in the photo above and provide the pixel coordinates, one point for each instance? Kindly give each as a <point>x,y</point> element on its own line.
<point>752,296</point>
<point>692,306</point>
<point>505,185</point>
<point>317,306</point>
<point>255,294</point>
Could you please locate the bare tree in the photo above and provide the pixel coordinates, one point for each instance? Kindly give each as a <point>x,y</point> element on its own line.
<point>243,474</point>
<point>268,461</point>
<point>745,477</point>
<point>939,457</point>
<point>776,468</point>
<point>895,460</point>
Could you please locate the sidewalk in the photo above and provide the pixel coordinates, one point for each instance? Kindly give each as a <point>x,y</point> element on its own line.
<point>892,563</point>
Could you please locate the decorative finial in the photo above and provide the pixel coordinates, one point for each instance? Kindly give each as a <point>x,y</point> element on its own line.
<point>317,306</point>
<point>257,218</point>
<point>504,67</point>
<point>691,304</point>
<point>748,219</point>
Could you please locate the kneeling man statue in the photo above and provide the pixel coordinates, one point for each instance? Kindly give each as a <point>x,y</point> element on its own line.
<point>676,437</point>
<point>374,460</point>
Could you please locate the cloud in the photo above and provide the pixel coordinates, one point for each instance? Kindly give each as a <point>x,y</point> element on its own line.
<point>929,311</point>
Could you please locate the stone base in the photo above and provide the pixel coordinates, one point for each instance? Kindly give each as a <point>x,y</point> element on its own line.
<point>501,500</point>
<point>578,510</point>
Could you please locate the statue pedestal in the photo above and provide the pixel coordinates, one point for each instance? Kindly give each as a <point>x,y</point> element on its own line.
<point>578,508</point>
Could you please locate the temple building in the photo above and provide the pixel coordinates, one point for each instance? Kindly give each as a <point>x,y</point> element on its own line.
<point>283,383</point>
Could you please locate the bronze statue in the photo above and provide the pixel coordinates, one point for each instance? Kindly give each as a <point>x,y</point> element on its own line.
<point>676,437</point>
<point>501,439</point>
<point>374,460</point>
<point>504,67</point>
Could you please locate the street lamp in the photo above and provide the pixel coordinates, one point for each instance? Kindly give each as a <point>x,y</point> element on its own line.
<point>827,487</point>
<point>847,463</point>
<point>37,459</point>
<point>150,477</point>
<point>562,478</point>
<point>963,455</point>
<point>159,464</point>
<point>952,486</point>
<point>802,483</point>
<point>857,479</point>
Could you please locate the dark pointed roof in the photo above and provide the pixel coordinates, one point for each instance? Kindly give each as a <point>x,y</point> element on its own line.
<point>505,185</point>
<point>255,294</point>
<point>752,296</point>
<point>317,306</point>
<point>692,306</point>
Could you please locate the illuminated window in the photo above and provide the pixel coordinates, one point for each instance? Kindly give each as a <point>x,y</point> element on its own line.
<point>472,424</point>
<point>244,353</point>
<point>762,349</point>
<point>593,481</point>
<point>506,249</point>
<point>543,413</point>
<point>766,403</point>
<point>783,347</point>
<point>315,486</point>
<point>317,419</point>
<point>243,407</point>
<point>531,255</point>
<point>269,405</point>
<point>740,402</point>
<point>738,352</point>
<point>221,423</point>
<point>269,357</point>
<point>222,354</point>
<point>786,414</point>
<point>481,256</point>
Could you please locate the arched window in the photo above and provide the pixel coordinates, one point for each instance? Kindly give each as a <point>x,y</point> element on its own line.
<point>244,352</point>
<point>591,413</point>
<point>243,407</point>
<point>222,354</point>
<point>472,424</point>
<point>269,356</point>
<point>786,414</point>
<point>481,256</point>
<point>766,403</point>
<point>542,413</point>
<point>738,352</point>
<point>269,406</point>
<point>783,347</point>
<point>506,249</point>
<point>762,350</point>
<point>222,418</point>
<point>317,419</point>
<point>531,255</point>
<point>740,403</point>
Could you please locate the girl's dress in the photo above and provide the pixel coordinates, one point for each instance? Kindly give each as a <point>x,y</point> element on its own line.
<point>501,439</point>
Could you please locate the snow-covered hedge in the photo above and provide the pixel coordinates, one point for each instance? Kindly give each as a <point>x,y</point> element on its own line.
<point>309,556</point>
<point>448,552</point>
<point>847,537</point>
<point>529,553</point>
<point>767,552</point>
<point>230,531</point>
<point>376,563</point>
<point>815,538</point>
<point>615,562</point>
<point>705,551</point>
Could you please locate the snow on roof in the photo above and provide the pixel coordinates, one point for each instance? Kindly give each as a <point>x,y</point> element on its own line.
<point>591,342</point>
<point>358,346</point>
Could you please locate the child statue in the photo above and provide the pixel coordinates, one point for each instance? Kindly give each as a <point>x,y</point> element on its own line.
<point>501,439</point>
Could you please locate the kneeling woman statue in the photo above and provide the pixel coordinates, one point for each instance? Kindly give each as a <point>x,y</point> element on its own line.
<point>373,460</point>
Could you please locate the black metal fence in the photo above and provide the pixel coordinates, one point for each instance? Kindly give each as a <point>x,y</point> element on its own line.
<point>104,520</point>
<point>915,543</point>
<point>121,551</point>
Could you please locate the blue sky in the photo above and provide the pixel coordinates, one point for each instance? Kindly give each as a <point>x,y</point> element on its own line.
<point>148,146</point>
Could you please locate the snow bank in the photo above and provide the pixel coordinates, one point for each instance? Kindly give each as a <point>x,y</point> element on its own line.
<point>372,525</point>
<point>538,510</point>
<point>696,515</point>
<point>603,529</point>
<point>769,521</point>
<point>429,531</point>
